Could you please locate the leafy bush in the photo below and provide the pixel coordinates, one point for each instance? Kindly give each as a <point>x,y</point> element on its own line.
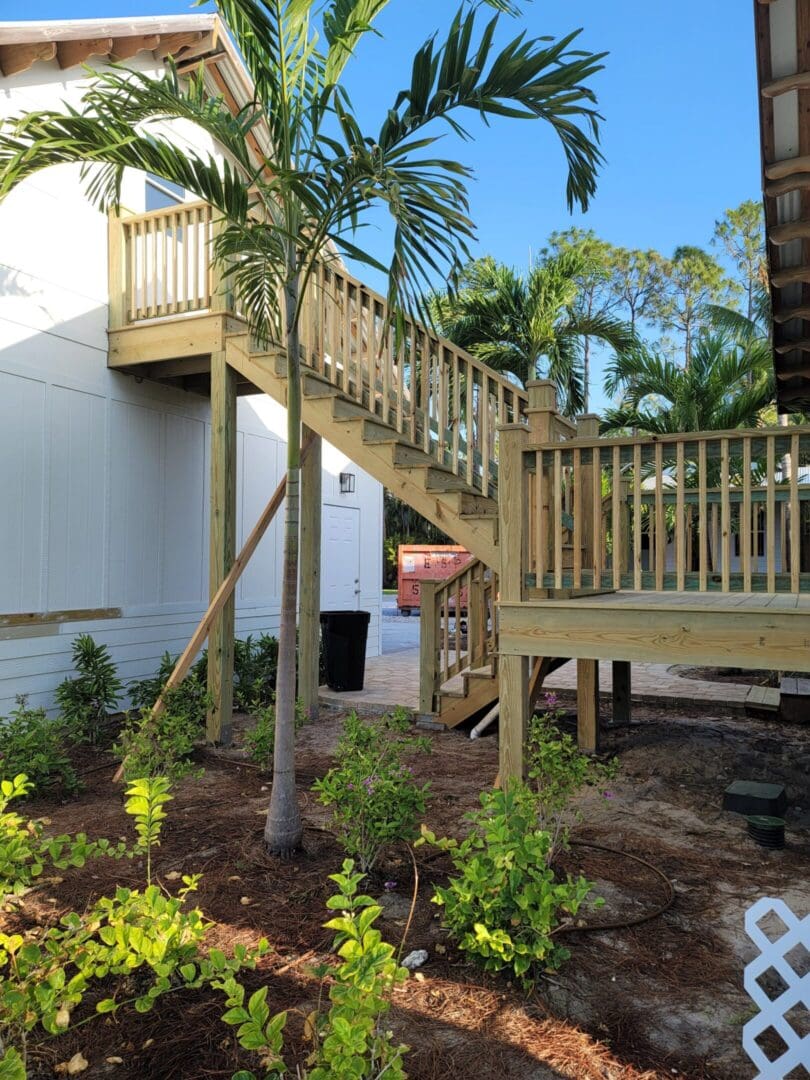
<point>25,850</point>
<point>33,743</point>
<point>190,699</point>
<point>255,667</point>
<point>375,797</point>
<point>349,1040</point>
<point>504,903</point>
<point>557,771</point>
<point>160,745</point>
<point>260,740</point>
<point>87,701</point>
<point>45,974</point>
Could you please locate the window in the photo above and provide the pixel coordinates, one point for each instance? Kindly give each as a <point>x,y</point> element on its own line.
<point>162,193</point>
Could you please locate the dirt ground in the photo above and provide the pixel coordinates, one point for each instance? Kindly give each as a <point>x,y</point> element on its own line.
<point>661,999</point>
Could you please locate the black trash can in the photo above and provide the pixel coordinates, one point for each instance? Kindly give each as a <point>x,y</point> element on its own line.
<point>344,646</point>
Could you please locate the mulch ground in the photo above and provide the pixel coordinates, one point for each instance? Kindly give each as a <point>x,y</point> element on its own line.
<point>663,998</point>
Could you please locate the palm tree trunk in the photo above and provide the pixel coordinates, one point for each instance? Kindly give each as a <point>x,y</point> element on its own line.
<point>283,829</point>
<point>586,373</point>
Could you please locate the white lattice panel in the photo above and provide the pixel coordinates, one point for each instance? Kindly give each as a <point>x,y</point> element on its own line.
<point>795,996</point>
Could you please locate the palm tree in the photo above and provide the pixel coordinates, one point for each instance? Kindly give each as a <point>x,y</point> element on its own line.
<point>320,174</point>
<point>529,326</point>
<point>726,385</point>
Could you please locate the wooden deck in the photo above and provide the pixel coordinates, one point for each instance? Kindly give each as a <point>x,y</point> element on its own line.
<point>751,630</point>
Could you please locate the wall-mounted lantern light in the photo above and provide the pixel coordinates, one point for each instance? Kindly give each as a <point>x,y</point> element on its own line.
<point>347,483</point>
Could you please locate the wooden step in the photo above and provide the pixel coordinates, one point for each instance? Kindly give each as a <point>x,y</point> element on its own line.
<point>315,387</point>
<point>344,409</point>
<point>439,480</point>
<point>454,710</point>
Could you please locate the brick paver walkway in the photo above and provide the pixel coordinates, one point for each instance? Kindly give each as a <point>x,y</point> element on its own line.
<point>393,679</point>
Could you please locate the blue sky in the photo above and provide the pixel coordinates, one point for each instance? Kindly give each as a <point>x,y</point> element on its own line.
<point>678,94</point>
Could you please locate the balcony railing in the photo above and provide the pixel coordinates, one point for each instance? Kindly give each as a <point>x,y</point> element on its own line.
<point>437,396</point>
<point>727,511</point>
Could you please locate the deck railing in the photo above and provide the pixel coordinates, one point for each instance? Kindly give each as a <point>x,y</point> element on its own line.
<point>163,263</point>
<point>723,511</point>
<point>458,627</point>
<point>437,396</point>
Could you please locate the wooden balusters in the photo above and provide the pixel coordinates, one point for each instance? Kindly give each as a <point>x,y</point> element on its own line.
<point>744,518</point>
<point>721,494</point>
<point>770,517</point>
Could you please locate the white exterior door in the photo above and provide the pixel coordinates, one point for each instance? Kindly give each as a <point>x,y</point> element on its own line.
<point>340,558</point>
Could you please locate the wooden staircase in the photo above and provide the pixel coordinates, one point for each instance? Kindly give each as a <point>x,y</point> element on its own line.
<point>433,489</point>
<point>417,413</point>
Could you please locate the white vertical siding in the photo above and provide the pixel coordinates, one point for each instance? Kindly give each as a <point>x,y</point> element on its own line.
<point>104,483</point>
<point>22,424</point>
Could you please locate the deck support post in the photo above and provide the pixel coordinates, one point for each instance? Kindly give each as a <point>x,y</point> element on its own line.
<point>621,693</point>
<point>218,725</point>
<point>429,635</point>
<point>588,705</point>
<point>513,671</point>
<point>310,616</point>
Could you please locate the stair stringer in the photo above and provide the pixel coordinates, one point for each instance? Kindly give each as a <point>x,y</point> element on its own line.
<point>408,482</point>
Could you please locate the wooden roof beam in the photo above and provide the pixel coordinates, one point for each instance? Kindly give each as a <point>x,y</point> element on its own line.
<point>797,371</point>
<point>790,230</point>
<point>791,275</point>
<point>71,53</point>
<point>800,344</point>
<point>800,80</point>
<point>790,183</point>
<point>126,47</point>
<point>778,170</point>
<point>801,311</point>
<point>17,58</point>
<point>173,44</point>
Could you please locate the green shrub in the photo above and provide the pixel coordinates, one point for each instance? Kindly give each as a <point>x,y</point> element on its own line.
<point>350,1040</point>
<point>87,701</point>
<point>161,745</point>
<point>46,973</point>
<point>557,771</point>
<point>374,796</point>
<point>25,850</point>
<point>255,668</point>
<point>34,744</point>
<point>260,740</point>
<point>190,699</point>
<point>504,902</point>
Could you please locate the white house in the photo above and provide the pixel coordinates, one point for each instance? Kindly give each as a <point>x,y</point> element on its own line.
<point>104,477</point>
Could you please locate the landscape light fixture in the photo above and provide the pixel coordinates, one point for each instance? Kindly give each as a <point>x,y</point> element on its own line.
<point>347,483</point>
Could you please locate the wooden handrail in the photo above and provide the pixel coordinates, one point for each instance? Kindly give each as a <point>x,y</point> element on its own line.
<point>439,397</point>
<point>674,512</point>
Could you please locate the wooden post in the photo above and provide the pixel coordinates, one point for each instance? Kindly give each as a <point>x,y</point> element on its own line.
<point>223,547</point>
<point>310,617</point>
<point>588,705</point>
<point>621,692</point>
<point>541,410</point>
<point>429,636</point>
<point>588,428</point>
<point>476,620</point>
<point>220,300</point>
<point>117,272</point>
<point>512,540</point>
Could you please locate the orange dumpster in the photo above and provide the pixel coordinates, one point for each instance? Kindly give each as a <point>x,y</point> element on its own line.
<point>426,562</point>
